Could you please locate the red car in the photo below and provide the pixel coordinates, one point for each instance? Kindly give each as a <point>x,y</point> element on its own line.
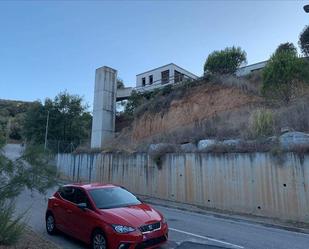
<point>105,216</point>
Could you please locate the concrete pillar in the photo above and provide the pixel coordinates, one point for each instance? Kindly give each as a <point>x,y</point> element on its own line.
<point>104,106</point>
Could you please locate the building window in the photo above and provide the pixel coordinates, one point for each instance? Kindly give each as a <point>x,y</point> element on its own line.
<point>165,76</point>
<point>143,81</point>
<point>178,76</point>
<point>150,79</point>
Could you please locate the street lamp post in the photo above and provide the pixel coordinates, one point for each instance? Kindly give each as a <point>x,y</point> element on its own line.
<point>306,8</point>
<point>46,130</point>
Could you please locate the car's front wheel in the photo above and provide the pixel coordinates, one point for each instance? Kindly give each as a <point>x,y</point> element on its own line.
<point>98,240</point>
<point>50,224</point>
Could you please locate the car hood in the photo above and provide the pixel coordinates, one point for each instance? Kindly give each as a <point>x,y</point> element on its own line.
<point>135,216</point>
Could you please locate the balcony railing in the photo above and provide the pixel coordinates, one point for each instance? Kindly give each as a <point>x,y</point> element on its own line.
<point>161,83</point>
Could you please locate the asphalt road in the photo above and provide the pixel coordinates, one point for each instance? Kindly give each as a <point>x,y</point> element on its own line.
<point>188,230</point>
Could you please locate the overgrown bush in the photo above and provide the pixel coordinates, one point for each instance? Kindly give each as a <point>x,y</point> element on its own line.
<point>262,123</point>
<point>225,61</point>
<point>286,47</point>
<point>11,228</point>
<point>294,116</point>
<point>244,84</point>
<point>120,84</point>
<point>134,101</point>
<point>33,171</point>
<point>283,75</point>
<point>158,152</point>
<point>304,41</point>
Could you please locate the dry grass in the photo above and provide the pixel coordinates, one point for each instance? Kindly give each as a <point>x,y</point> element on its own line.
<point>31,240</point>
<point>250,85</point>
<point>233,123</point>
<point>294,116</point>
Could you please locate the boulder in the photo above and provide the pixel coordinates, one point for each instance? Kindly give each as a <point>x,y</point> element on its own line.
<point>206,144</point>
<point>188,147</point>
<point>290,140</point>
<point>231,142</point>
<point>162,147</point>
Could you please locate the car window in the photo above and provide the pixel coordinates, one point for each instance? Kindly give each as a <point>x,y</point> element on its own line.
<point>81,197</point>
<point>113,197</point>
<point>67,193</point>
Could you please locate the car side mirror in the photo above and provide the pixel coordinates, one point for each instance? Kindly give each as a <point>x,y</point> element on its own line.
<point>82,206</point>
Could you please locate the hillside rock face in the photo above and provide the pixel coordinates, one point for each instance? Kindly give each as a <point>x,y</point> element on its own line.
<point>200,104</point>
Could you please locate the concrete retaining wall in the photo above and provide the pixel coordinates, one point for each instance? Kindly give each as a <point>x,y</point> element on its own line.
<point>258,184</point>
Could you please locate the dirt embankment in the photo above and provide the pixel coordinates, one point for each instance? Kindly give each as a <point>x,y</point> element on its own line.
<point>199,105</point>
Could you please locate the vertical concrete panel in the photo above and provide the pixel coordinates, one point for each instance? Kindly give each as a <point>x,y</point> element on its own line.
<point>104,106</point>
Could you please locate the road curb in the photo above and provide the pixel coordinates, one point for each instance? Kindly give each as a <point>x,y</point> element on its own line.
<point>252,219</point>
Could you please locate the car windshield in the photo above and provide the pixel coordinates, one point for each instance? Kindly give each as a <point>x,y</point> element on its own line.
<point>113,197</point>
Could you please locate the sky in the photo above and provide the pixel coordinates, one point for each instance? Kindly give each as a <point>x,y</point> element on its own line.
<point>51,46</point>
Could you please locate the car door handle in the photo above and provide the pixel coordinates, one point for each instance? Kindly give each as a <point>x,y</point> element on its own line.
<point>55,205</point>
<point>69,211</point>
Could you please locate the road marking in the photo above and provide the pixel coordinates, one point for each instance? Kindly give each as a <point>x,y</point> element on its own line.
<point>204,237</point>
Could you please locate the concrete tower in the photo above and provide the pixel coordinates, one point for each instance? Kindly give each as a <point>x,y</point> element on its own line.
<point>104,106</point>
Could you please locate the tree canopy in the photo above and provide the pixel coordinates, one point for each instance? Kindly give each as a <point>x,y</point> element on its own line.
<point>283,74</point>
<point>120,84</point>
<point>287,46</point>
<point>225,61</point>
<point>69,120</point>
<point>304,41</point>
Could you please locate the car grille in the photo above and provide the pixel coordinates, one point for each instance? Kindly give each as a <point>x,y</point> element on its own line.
<point>150,227</point>
<point>151,242</point>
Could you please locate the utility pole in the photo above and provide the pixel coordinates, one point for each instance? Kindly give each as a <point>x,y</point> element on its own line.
<point>8,130</point>
<point>46,130</point>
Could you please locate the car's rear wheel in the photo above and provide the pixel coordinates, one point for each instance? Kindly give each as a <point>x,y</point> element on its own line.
<point>98,240</point>
<point>50,224</point>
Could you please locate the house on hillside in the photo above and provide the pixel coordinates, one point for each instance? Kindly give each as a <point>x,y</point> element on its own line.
<point>251,68</point>
<point>161,76</point>
<point>173,74</point>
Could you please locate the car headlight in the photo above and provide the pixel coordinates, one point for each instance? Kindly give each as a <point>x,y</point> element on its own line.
<point>123,229</point>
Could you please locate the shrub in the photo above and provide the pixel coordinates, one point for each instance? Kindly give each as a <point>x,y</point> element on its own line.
<point>10,228</point>
<point>32,171</point>
<point>295,116</point>
<point>282,76</point>
<point>226,61</point>
<point>304,41</point>
<point>167,90</point>
<point>286,47</point>
<point>120,84</point>
<point>134,100</point>
<point>159,150</point>
<point>262,123</point>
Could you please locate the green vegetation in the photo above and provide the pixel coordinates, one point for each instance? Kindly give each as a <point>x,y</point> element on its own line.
<point>69,120</point>
<point>225,61</point>
<point>32,171</point>
<point>120,84</point>
<point>284,74</point>
<point>304,41</point>
<point>158,99</point>
<point>286,47</point>
<point>12,114</point>
<point>262,123</point>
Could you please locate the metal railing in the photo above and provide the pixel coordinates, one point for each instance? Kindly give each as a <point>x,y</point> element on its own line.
<point>172,80</point>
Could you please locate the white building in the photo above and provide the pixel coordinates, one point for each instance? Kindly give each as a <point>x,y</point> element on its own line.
<point>173,74</point>
<point>251,68</point>
<point>161,76</point>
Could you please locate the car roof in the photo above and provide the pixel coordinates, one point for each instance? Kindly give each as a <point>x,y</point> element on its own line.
<point>90,186</point>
